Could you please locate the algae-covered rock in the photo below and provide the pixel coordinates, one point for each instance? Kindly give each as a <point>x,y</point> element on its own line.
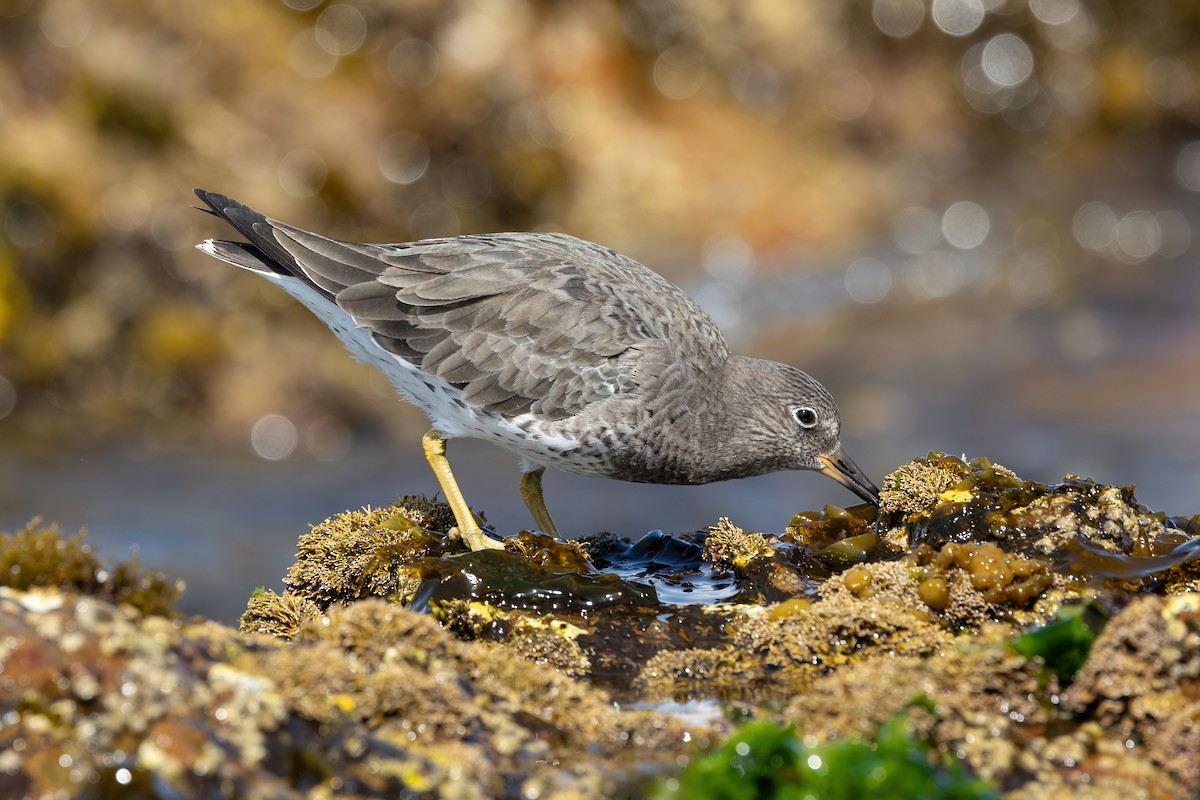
<point>394,663</point>
<point>278,615</point>
<point>729,546</point>
<point>367,553</point>
<point>368,701</point>
<point>40,556</point>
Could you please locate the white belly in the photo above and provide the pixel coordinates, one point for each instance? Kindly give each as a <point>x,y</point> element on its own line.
<point>523,435</point>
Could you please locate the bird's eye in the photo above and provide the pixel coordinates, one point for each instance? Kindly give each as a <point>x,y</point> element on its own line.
<point>805,416</point>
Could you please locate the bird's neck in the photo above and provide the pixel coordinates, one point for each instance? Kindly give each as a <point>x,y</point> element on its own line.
<point>694,441</point>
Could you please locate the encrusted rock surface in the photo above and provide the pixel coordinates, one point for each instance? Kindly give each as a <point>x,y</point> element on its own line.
<point>1045,638</point>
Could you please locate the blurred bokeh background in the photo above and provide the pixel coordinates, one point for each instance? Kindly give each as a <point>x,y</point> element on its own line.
<point>974,220</point>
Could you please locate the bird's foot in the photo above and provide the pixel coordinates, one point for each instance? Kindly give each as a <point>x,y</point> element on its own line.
<point>476,539</point>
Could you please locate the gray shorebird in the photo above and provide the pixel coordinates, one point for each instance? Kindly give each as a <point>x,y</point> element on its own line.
<point>566,353</point>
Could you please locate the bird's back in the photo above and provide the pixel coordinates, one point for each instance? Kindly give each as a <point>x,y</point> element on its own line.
<point>519,323</point>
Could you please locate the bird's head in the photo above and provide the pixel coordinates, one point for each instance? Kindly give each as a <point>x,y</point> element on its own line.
<point>802,421</point>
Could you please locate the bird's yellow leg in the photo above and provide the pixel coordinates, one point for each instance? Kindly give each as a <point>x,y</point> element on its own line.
<point>531,493</point>
<point>468,529</point>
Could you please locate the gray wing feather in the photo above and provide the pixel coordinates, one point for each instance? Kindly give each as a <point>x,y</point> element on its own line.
<point>521,322</point>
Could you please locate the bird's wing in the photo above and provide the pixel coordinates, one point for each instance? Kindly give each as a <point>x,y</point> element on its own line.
<point>521,322</point>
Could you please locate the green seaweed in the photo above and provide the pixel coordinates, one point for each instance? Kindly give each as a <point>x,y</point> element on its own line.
<point>1064,643</point>
<point>763,760</point>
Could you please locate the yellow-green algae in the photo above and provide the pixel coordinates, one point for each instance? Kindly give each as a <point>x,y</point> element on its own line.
<point>368,553</point>
<point>540,638</point>
<point>729,546</point>
<point>278,615</point>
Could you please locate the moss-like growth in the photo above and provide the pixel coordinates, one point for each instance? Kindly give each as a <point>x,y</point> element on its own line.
<point>41,557</point>
<point>281,616</point>
<point>730,547</point>
<point>367,553</point>
<point>924,483</point>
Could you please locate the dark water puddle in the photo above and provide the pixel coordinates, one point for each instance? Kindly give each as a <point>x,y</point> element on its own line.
<point>673,565</point>
<point>508,580</point>
<point>659,572</point>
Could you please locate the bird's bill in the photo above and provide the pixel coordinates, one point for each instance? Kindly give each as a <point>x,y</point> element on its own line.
<point>842,469</point>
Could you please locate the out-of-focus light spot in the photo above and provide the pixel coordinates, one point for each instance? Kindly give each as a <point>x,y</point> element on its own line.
<point>1138,236</point>
<point>303,5</point>
<point>27,224</point>
<point>1176,233</point>
<point>302,173</point>
<point>965,225</point>
<point>678,74</point>
<point>308,58</point>
<point>868,280</point>
<point>412,64</point>
<point>898,18</point>
<point>1169,82</point>
<point>478,40</point>
<point>1054,12</point>
<point>173,227</point>
<point>65,23</point>
<point>1036,241</point>
<point>1094,226</point>
<point>958,17</point>
<point>341,29</point>
<point>916,230</point>
<point>273,437</point>
<point>433,219</point>
<point>125,205</point>
<point>983,95</point>
<point>403,157</point>
<point>8,397</point>
<point>1082,337</point>
<point>123,776</point>
<point>729,258</point>
<point>846,94</point>
<point>1007,60</point>
<point>1187,166</point>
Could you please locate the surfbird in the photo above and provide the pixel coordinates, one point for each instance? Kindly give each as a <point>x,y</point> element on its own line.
<point>564,352</point>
